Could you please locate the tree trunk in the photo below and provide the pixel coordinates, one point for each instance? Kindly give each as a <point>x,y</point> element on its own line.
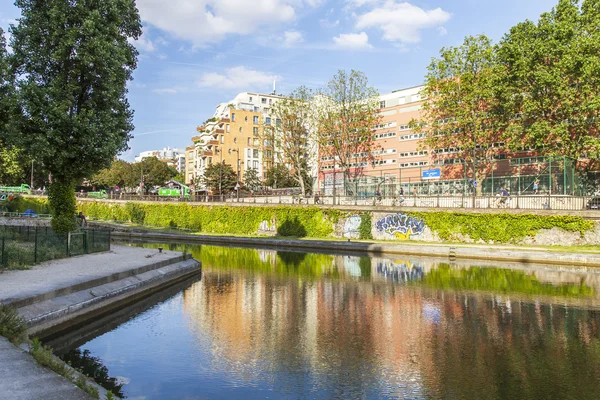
<point>301,181</point>
<point>61,194</point>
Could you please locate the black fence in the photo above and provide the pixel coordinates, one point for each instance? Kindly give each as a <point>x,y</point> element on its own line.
<point>23,246</point>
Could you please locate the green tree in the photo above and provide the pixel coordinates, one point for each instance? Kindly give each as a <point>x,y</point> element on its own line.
<point>74,60</point>
<point>252,181</point>
<point>291,136</point>
<point>219,178</point>
<point>279,176</point>
<point>11,169</point>
<point>155,172</point>
<point>460,102</point>
<point>346,115</point>
<point>120,173</point>
<point>550,91</point>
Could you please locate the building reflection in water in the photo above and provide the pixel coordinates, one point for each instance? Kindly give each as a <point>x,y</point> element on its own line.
<point>348,327</point>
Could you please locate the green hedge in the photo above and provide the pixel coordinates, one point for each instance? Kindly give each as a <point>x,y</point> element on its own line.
<point>40,205</point>
<point>291,221</point>
<point>318,223</point>
<point>499,228</point>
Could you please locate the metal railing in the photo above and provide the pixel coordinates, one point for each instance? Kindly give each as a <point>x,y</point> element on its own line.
<point>23,246</point>
<point>530,202</point>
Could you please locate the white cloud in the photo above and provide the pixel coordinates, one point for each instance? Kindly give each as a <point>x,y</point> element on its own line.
<point>165,91</point>
<point>360,3</point>
<point>237,78</point>
<point>292,38</point>
<point>442,31</point>
<point>206,21</point>
<point>325,23</point>
<point>143,44</point>
<point>352,41</point>
<point>401,22</point>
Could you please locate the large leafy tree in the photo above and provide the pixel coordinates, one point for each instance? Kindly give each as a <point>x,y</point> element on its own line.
<point>120,173</point>
<point>279,176</point>
<point>460,105</point>
<point>252,180</point>
<point>292,134</point>
<point>154,171</point>
<point>550,91</point>
<point>73,61</point>
<point>219,178</point>
<point>346,116</point>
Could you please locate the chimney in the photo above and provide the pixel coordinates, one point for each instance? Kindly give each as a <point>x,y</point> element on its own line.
<point>274,87</point>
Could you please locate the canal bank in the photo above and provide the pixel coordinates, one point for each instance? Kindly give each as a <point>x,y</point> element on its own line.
<point>63,294</point>
<point>529,255</point>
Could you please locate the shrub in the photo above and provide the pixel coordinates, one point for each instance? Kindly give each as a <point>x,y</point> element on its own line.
<point>12,325</point>
<point>364,229</point>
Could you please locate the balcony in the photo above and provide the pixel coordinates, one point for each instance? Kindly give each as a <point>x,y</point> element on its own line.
<point>219,130</point>
<point>225,119</point>
<point>213,142</point>
<point>206,153</point>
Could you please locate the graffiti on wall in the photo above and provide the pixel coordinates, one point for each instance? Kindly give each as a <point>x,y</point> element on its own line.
<point>400,226</point>
<point>351,227</point>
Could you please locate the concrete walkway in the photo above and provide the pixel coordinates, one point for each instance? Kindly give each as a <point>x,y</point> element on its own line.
<point>63,276</point>
<point>22,378</point>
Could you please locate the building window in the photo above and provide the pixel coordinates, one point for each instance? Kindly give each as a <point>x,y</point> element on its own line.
<point>233,117</point>
<point>255,120</point>
<point>268,121</point>
<point>222,139</point>
<point>227,128</point>
<point>250,98</point>
<point>246,119</point>
<point>255,153</point>
<point>382,104</point>
<point>255,164</point>
<point>270,101</point>
<point>249,150</point>
<point>240,129</point>
<point>263,100</point>
<point>248,141</point>
<point>255,131</point>
<point>256,143</point>
<point>278,122</point>
<point>234,140</point>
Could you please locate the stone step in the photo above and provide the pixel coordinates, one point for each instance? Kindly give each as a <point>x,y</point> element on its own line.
<point>63,311</point>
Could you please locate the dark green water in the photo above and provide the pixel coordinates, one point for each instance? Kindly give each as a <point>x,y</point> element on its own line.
<point>284,325</point>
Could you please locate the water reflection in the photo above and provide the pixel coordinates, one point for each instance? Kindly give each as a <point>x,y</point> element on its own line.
<point>272,324</point>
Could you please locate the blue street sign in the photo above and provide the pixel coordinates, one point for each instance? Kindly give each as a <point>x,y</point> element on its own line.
<point>431,173</point>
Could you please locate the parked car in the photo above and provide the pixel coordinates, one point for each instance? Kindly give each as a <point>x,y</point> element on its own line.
<point>593,203</point>
<point>30,213</point>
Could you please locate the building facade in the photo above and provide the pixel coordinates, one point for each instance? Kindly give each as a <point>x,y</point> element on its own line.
<point>172,156</point>
<point>234,135</point>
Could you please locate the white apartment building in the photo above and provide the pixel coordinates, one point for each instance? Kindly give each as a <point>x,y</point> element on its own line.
<point>174,157</point>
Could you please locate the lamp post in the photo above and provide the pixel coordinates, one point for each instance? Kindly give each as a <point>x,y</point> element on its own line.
<point>237,185</point>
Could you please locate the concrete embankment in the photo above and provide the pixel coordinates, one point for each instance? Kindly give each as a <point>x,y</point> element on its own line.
<point>68,293</point>
<point>453,251</point>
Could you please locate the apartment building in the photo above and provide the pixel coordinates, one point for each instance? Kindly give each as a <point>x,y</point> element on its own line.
<point>234,135</point>
<point>172,156</point>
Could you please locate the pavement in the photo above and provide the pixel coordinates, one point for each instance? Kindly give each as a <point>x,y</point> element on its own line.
<point>59,277</point>
<point>22,378</point>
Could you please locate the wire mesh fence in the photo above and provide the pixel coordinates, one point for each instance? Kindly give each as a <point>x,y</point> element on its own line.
<point>23,246</point>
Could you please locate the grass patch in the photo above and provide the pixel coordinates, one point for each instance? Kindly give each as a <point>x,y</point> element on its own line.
<point>44,356</point>
<point>12,325</point>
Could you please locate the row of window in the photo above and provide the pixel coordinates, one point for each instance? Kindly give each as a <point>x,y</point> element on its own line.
<point>415,153</point>
<point>413,136</point>
<point>384,135</point>
<point>385,125</point>
<point>414,164</point>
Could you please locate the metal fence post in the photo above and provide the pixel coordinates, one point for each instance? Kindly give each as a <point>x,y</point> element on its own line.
<point>35,247</point>
<point>2,253</point>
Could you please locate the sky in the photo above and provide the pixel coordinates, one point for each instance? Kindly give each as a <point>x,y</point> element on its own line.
<point>195,54</point>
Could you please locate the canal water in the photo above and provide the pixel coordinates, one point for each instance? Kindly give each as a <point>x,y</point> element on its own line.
<point>287,325</point>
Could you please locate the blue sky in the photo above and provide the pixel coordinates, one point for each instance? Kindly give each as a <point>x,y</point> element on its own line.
<point>195,54</point>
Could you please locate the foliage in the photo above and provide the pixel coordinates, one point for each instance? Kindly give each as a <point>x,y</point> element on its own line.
<point>44,356</point>
<point>279,176</point>
<point>459,104</point>
<point>364,229</point>
<point>296,221</point>
<point>120,173</point>
<point>61,196</point>
<point>252,181</point>
<point>497,228</point>
<point>74,60</point>
<point>499,280</point>
<point>292,134</point>
<point>11,169</point>
<point>346,117</point>
<point>38,204</point>
<point>12,325</point>
<point>220,178</point>
<point>92,366</point>
<point>154,171</point>
<point>550,86</point>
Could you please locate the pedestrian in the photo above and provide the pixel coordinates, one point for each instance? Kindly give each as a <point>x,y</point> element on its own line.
<point>536,186</point>
<point>81,220</point>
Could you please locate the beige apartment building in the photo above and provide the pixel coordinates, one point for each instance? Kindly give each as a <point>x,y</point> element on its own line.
<point>234,135</point>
